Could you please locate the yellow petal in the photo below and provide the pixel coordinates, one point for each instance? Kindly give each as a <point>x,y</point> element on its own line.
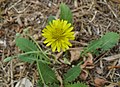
<point>53,46</point>
<point>66,27</point>
<point>49,40</point>
<point>49,43</point>
<point>58,46</point>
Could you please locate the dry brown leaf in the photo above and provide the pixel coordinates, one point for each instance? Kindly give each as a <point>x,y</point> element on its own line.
<point>99,70</point>
<point>75,54</point>
<point>1,32</point>
<point>84,74</point>
<point>99,82</point>
<point>88,63</point>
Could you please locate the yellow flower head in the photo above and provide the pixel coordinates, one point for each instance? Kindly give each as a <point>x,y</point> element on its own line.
<point>57,34</point>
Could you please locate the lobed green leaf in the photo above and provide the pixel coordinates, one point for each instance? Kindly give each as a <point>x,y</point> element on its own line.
<point>109,40</point>
<point>78,84</point>
<point>72,73</point>
<point>65,13</point>
<point>8,59</point>
<point>105,43</point>
<point>46,73</point>
<point>25,44</point>
<point>28,58</point>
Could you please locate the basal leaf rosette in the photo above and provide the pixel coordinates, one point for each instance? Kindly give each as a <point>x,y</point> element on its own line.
<point>58,35</point>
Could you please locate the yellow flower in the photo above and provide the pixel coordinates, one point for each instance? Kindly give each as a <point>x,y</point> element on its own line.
<point>57,34</point>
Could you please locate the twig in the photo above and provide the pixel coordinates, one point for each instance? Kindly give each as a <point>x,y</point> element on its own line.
<point>22,10</point>
<point>14,4</point>
<point>11,72</point>
<point>93,16</point>
<point>111,9</point>
<point>111,69</point>
<point>111,58</point>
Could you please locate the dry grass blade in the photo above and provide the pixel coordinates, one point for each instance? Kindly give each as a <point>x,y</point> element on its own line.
<point>112,58</point>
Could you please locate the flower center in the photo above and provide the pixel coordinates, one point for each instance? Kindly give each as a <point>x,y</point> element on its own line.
<point>58,34</point>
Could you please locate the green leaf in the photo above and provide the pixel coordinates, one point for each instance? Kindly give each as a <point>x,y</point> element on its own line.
<point>22,54</point>
<point>8,59</point>
<point>25,44</point>
<point>51,18</point>
<point>92,47</point>
<point>78,84</point>
<point>109,40</point>
<point>72,74</point>
<point>28,58</point>
<point>46,73</point>
<point>39,83</point>
<point>65,13</point>
<point>106,42</point>
<point>33,56</point>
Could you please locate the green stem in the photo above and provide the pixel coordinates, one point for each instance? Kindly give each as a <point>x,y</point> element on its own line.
<point>38,46</point>
<point>54,58</point>
<point>40,71</point>
<point>26,53</point>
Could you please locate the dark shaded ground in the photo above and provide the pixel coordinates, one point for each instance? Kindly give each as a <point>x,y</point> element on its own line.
<point>92,19</point>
